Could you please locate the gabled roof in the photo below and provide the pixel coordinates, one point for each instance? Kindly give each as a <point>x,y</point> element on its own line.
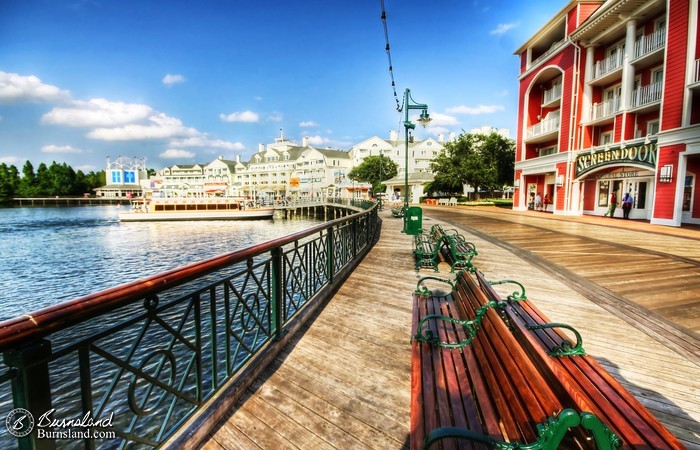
<point>339,154</point>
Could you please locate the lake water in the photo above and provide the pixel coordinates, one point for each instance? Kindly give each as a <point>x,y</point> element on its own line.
<point>51,255</point>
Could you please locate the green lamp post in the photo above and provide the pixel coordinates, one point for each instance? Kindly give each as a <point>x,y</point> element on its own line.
<point>424,120</point>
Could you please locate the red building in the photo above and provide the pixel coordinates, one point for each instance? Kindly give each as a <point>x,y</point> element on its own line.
<point>610,103</point>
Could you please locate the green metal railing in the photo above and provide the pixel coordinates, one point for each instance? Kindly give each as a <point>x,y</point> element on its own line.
<point>141,359</point>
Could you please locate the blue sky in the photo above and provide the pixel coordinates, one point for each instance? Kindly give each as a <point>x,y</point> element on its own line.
<point>184,81</point>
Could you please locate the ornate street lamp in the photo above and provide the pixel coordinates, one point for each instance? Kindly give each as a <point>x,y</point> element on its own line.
<point>424,120</point>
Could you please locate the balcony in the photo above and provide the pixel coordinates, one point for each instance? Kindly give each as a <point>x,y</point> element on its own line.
<point>647,97</point>
<point>648,49</point>
<point>605,111</point>
<point>551,96</point>
<point>607,69</point>
<point>544,131</point>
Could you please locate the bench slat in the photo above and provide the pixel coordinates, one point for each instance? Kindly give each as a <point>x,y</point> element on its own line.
<point>584,381</point>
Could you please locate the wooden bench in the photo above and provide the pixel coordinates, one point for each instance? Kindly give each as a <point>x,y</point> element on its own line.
<point>455,249</point>
<point>472,383</point>
<point>577,377</point>
<point>425,251</point>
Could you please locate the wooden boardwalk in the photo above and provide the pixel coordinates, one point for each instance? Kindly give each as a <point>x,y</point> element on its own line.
<point>632,292</point>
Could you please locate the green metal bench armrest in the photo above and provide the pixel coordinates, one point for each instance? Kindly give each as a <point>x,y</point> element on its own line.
<point>605,439</point>
<point>549,434</point>
<point>565,349</point>
<point>471,325</point>
<point>516,295</point>
<point>424,291</point>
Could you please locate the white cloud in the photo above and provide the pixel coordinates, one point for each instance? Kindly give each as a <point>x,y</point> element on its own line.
<point>308,124</point>
<point>473,111</point>
<point>161,127</point>
<point>439,120</point>
<point>169,79</point>
<point>97,112</point>
<point>11,159</point>
<point>317,140</point>
<point>503,93</point>
<point>243,116</point>
<point>15,88</point>
<point>438,130</point>
<point>503,28</point>
<point>61,149</point>
<point>174,153</point>
<point>87,168</point>
<point>203,141</point>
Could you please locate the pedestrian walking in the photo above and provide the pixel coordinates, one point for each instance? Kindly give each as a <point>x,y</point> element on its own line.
<point>627,201</point>
<point>613,204</point>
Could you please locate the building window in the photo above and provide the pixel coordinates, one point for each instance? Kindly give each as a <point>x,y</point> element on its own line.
<point>116,177</point>
<point>605,138</point>
<point>688,193</point>
<point>653,128</point>
<point>548,150</point>
<point>603,191</point>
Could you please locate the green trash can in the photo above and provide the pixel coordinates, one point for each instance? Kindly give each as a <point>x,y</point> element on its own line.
<point>413,220</point>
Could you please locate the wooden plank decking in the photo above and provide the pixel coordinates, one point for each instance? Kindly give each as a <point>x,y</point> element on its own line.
<point>344,382</point>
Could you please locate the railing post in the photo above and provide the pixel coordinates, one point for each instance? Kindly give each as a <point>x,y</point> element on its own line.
<point>31,388</point>
<point>330,252</point>
<point>354,237</point>
<point>276,297</point>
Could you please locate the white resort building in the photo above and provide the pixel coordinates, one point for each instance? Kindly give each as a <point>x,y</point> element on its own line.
<point>284,169</point>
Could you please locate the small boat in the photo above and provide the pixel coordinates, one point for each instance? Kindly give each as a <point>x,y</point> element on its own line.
<point>214,208</point>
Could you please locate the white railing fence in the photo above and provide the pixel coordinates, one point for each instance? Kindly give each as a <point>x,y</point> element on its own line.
<point>647,94</point>
<point>649,43</point>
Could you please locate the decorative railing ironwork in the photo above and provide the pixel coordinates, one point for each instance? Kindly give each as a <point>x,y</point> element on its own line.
<point>140,359</point>
<point>649,43</point>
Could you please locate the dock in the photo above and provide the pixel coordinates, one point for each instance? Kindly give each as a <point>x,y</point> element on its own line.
<point>631,289</point>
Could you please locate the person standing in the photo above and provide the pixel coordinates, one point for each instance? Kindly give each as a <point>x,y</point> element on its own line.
<point>627,205</point>
<point>613,204</point>
<point>538,202</point>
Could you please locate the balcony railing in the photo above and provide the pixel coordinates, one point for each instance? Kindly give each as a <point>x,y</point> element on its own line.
<point>555,46</point>
<point>645,95</point>
<point>649,43</point>
<point>139,360</point>
<point>544,127</point>
<point>553,94</point>
<point>605,109</point>
<point>696,78</point>
<point>607,65</point>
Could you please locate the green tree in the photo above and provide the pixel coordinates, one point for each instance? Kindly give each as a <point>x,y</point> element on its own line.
<point>7,182</point>
<point>374,170</point>
<point>483,161</point>
<point>28,183</point>
<point>43,181</point>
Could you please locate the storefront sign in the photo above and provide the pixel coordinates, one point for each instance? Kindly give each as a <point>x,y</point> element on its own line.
<point>616,175</point>
<point>644,155</point>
